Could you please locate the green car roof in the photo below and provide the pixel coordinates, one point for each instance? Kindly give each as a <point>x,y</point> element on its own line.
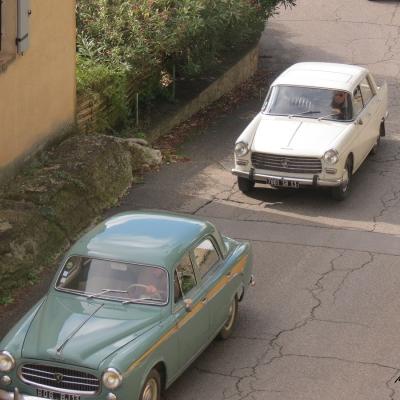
<point>154,238</point>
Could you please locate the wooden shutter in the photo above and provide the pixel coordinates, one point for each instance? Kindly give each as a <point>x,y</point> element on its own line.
<point>1,23</point>
<point>23,14</point>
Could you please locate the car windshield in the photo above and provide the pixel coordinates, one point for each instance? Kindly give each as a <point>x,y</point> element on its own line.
<point>309,102</point>
<point>129,283</point>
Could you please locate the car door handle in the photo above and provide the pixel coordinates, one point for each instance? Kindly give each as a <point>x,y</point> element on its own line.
<point>204,300</point>
<point>229,274</point>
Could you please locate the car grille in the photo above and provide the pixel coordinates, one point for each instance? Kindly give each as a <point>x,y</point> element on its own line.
<point>276,162</point>
<point>59,378</point>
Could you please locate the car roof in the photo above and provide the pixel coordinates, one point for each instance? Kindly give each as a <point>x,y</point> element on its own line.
<point>322,75</point>
<point>151,238</point>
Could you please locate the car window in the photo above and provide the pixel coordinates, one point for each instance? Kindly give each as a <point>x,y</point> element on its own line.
<point>366,91</point>
<point>184,279</point>
<point>206,256</point>
<point>357,101</point>
<point>112,279</point>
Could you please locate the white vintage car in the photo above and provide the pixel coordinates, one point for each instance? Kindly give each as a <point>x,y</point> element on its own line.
<point>317,125</point>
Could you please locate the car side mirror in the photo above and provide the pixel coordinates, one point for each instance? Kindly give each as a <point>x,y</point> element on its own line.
<point>188,304</point>
<point>360,121</point>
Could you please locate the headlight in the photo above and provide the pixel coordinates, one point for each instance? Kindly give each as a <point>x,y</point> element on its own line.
<point>7,362</point>
<point>241,149</point>
<point>331,157</point>
<point>112,378</point>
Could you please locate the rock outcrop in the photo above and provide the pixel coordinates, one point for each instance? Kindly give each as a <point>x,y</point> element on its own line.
<point>58,195</point>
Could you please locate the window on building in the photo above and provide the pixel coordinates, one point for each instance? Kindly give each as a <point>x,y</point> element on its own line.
<point>14,28</point>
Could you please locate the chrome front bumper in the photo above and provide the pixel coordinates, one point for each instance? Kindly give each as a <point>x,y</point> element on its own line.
<point>316,181</point>
<point>16,396</point>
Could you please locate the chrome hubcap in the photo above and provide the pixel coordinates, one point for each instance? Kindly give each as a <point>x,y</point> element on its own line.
<point>150,391</point>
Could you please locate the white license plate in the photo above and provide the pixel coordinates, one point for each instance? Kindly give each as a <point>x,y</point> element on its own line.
<point>282,182</point>
<point>47,394</point>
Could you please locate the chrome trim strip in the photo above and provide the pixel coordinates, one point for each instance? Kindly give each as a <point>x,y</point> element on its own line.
<point>301,181</point>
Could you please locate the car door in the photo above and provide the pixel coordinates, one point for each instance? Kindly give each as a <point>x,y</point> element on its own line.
<point>215,277</point>
<point>371,103</point>
<point>362,129</point>
<point>192,324</point>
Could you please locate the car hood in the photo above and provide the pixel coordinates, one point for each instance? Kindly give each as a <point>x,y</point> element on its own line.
<point>283,135</point>
<point>87,330</point>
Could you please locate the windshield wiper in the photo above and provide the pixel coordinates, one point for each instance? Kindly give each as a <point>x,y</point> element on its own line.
<point>304,113</point>
<point>329,115</point>
<point>104,291</point>
<point>141,299</point>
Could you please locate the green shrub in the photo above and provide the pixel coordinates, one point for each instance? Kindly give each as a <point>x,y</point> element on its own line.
<point>135,41</point>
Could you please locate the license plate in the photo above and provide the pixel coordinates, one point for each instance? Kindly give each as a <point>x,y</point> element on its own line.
<point>47,394</point>
<point>282,182</point>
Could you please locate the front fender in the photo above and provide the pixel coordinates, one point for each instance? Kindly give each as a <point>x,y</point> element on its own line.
<point>14,340</point>
<point>136,360</point>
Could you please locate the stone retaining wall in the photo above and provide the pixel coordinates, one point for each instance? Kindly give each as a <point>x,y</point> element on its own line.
<point>89,107</point>
<point>239,73</point>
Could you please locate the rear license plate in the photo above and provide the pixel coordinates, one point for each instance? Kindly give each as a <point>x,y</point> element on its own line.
<point>47,394</point>
<point>281,182</point>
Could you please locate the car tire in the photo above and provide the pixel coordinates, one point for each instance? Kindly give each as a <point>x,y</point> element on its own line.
<point>382,129</point>
<point>229,325</point>
<point>342,191</point>
<point>151,389</point>
<point>245,185</point>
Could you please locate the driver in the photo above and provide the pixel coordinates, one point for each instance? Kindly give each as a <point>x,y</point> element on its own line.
<point>153,281</point>
<point>339,105</point>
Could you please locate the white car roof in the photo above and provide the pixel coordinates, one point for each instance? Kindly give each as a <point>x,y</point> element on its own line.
<point>322,75</point>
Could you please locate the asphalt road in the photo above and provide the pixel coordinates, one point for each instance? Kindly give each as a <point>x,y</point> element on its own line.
<point>323,321</point>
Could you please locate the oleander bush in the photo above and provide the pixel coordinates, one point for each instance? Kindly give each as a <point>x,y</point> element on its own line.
<point>131,45</point>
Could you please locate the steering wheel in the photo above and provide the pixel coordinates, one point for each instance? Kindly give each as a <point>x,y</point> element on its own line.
<point>131,290</point>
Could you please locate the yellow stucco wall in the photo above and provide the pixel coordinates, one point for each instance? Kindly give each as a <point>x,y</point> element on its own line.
<point>38,89</point>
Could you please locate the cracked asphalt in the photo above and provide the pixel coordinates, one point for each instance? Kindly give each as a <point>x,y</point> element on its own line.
<point>323,320</point>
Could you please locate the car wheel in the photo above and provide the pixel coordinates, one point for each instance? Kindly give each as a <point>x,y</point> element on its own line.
<point>341,192</point>
<point>245,185</point>
<point>227,329</point>
<point>152,387</point>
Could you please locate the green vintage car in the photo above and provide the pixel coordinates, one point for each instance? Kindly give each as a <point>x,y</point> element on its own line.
<point>134,302</point>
